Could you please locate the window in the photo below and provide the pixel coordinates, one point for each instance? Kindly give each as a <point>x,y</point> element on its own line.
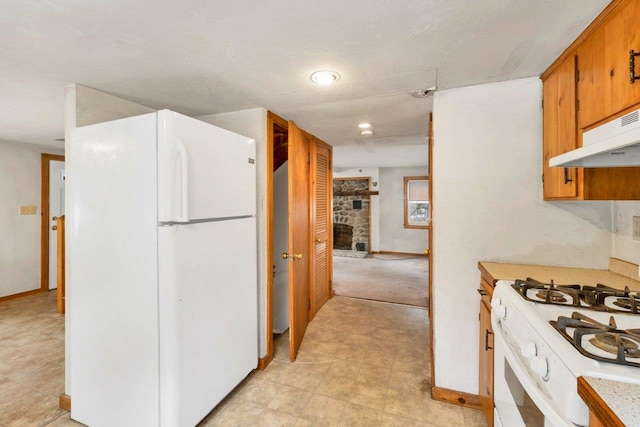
<point>416,201</point>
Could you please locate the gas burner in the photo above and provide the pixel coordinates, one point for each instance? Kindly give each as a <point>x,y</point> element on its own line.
<point>600,340</point>
<point>599,297</point>
<point>552,296</point>
<point>613,342</point>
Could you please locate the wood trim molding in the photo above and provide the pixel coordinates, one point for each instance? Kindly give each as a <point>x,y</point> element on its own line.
<point>571,49</point>
<point>597,406</point>
<point>264,361</point>
<point>399,253</point>
<point>456,397</point>
<point>357,193</point>
<point>20,295</point>
<point>272,119</point>
<point>65,402</point>
<point>44,218</point>
<point>430,248</point>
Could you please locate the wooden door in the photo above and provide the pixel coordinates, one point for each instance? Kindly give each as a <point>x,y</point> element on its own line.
<point>622,35</point>
<point>321,228</point>
<point>592,81</point>
<point>559,131</point>
<point>485,389</point>
<point>299,224</point>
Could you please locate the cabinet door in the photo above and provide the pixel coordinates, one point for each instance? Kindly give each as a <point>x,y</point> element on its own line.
<point>592,90</point>
<point>559,136</point>
<point>622,35</point>
<point>485,391</point>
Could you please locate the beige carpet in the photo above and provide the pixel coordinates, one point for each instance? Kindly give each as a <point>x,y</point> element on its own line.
<point>390,278</point>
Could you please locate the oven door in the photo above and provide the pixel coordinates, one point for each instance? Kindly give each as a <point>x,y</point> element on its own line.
<point>519,400</point>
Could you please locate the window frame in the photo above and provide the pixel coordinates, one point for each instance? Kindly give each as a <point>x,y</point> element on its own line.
<point>407,224</point>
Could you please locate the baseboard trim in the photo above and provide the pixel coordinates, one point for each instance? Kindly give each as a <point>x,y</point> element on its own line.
<point>399,253</point>
<point>456,397</point>
<point>65,402</point>
<point>20,295</point>
<point>264,362</point>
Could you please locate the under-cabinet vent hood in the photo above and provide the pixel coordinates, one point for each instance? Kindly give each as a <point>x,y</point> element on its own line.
<point>612,144</point>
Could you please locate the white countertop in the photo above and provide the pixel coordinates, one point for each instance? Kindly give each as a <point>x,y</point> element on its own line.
<point>622,398</point>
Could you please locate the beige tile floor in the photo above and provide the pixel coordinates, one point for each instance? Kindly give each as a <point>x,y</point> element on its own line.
<point>31,360</point>
<point>362,363</point>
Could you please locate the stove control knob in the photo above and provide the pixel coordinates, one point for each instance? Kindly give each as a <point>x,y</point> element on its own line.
<point>540,366</point>
<point>501,311</point>
<point>528,350</point>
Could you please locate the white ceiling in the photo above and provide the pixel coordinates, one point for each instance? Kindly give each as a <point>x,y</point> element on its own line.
<point>208,56</point>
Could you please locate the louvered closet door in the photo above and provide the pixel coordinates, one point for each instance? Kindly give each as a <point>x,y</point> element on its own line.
<point>321,225</point>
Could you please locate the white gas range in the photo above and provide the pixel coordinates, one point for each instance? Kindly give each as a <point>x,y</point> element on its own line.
<point>548,335</point>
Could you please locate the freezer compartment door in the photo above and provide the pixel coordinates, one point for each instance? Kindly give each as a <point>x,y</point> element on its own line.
<point>208,315</point>
<point>203,171</point>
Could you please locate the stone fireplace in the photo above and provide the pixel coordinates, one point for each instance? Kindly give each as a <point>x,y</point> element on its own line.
<point>351,215</point>
<point>342,236</point>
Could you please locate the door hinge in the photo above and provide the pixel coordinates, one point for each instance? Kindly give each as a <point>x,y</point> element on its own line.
<point>577,75</point>
<point>577,105</point>
<point>543,177</point>
<point>542,102</point>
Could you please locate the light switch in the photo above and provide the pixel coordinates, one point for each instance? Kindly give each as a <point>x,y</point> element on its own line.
<point>28,210</point>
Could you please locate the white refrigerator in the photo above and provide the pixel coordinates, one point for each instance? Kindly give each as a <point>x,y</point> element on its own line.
<point>161,269</point>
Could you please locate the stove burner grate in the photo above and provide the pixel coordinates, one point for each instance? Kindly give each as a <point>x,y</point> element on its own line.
<point>623,344</point>
<point>599,297</point>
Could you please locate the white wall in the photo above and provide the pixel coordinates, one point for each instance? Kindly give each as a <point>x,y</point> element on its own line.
<point>20,184</point>
<point>86,106</point>
<point>487,197</point>
<point>253,123</point>
<point>374,201</point>
<point>624,247</point>
<point>393,236</point>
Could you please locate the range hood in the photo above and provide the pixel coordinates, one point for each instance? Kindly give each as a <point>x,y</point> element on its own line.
<point>612,144</point>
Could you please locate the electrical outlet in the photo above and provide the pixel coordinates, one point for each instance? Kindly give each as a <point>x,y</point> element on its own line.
<point>28,210</point>
<point>636,228</point>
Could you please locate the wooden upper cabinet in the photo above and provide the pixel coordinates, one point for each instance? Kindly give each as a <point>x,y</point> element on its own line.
<point>589,84</point>
<point>604,86</point>
<point>559,136</point>
<point>592,84</point>
<point>622,35</point>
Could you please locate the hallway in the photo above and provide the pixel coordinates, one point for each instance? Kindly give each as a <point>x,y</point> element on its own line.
<point>362,363</point>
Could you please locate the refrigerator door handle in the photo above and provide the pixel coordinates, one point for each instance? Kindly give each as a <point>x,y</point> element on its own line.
<point>184,160</point>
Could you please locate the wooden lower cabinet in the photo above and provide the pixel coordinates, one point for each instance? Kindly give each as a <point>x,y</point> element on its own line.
<point>485,380</point>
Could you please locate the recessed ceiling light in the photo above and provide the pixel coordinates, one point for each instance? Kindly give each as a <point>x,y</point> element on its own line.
<point>366,132</point>
<point>364,125</point>
<point>325,77</point>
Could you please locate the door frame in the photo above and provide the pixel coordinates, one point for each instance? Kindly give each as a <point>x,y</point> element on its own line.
<point>272,119</point>
<point>46,159</point>
<point>431,307</point>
